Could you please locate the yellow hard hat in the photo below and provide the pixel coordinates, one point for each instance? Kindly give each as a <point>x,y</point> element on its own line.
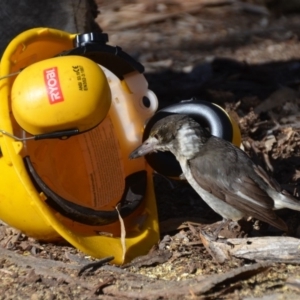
<point>83,187</point>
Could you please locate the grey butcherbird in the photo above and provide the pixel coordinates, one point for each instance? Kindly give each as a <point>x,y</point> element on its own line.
<point>222,174</point>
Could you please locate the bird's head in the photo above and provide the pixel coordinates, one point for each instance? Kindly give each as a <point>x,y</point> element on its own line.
<point>176,133</point>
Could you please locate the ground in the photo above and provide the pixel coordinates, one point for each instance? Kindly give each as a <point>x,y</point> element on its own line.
<point>244,57</point>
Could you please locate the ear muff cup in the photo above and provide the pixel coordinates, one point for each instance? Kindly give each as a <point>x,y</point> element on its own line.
<point>205,113</point>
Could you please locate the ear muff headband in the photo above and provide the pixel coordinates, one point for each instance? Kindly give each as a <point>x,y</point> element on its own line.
<point>94,47</point>
<point>205,113</point>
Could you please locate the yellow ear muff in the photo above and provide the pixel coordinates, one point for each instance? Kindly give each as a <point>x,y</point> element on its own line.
<point>60,93</point>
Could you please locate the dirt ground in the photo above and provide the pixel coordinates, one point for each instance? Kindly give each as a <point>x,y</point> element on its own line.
<point>245,57</point>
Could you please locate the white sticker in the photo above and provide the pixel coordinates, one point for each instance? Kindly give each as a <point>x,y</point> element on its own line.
<point>103,158</point>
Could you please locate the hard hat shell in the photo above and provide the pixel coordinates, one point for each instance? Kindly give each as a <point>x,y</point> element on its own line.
<point>25,207</point>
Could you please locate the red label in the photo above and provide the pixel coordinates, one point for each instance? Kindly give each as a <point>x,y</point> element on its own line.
<point>53,86</point>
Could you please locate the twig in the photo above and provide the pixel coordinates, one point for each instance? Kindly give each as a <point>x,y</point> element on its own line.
<point>99,289</point>
<point>268,162</point>
<point>95,265</point>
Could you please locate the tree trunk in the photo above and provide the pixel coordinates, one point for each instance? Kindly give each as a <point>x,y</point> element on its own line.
<point>69,15</point>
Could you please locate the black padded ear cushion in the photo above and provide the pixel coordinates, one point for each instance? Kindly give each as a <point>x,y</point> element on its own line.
<point>205,113</point>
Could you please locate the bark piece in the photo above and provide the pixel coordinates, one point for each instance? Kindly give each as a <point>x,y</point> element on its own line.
<point>272,249</point>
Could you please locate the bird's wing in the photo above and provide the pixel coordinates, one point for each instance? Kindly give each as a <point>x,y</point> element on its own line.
<point>248,197</point>
<point>271,182</point>
<point>234,188</point>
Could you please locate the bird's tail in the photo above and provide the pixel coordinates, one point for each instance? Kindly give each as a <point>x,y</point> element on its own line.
<point>285,200</point>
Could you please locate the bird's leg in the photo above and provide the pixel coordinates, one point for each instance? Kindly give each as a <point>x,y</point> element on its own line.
<point>231,225</point>
<point>214,234</point>
<point>182,176</point>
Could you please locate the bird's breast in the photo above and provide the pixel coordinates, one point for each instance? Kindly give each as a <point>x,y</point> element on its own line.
<point>187,142</point>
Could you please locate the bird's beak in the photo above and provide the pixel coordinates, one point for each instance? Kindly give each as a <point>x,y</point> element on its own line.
<point>147,147</point>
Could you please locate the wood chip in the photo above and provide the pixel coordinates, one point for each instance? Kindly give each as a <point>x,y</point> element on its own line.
<point>278,98</point>
<point>151,259</point>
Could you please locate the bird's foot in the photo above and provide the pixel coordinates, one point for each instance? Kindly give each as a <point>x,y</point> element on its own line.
<point>208,239</point>
<point>221,226</point>
<point>213,233</point>
<point>224,230</point>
